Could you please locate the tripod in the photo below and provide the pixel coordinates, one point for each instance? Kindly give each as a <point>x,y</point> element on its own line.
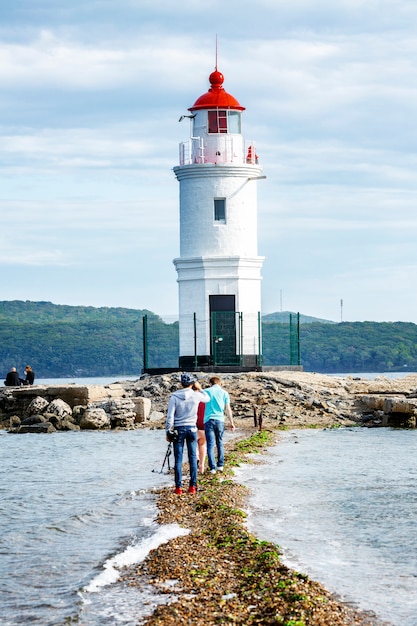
<point>166,460</point>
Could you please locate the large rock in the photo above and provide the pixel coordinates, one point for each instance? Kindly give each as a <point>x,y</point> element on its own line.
<point>33,419</point>
<point>122,413</point>
<point>156,416</point>
<point>142,409</point>
<point>44,427</point>
<point>37,406</point>
<point>68,424</point>
<point>15,421</point>
<point>95,418</point>
<point>59,408</point>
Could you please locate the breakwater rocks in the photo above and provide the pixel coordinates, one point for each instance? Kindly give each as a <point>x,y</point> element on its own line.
<point>274,399</point>
<point>46,409</point>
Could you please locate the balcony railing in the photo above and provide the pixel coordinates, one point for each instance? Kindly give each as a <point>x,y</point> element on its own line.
<point>216,149</point>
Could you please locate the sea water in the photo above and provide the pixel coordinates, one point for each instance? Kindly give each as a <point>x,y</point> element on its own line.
<point>75,507</point>
<point>342,504</point>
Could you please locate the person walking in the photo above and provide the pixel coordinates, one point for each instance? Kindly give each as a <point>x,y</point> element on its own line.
<point>12,378</point>
<point>181,427</point>
<point>216,408</point>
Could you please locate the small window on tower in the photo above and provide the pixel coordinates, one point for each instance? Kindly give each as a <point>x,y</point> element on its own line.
<point>220,210</point>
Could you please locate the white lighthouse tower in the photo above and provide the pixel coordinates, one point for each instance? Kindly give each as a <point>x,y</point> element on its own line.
<point>219,270</point>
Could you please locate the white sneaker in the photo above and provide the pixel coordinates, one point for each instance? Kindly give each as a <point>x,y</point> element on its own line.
<point>212,471</point>
<point>220,469</point>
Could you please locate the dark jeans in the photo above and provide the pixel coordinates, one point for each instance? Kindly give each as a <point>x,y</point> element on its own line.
<point>188,435</point>
<point>214,430</point>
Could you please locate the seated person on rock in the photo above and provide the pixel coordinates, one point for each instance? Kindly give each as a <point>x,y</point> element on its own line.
<point>30,376</point>
<point>12,378</point>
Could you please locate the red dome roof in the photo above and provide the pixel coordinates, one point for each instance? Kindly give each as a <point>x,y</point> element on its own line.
<point>216,97</point>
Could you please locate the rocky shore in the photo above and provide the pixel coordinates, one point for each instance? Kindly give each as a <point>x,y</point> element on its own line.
<point>284,399</point>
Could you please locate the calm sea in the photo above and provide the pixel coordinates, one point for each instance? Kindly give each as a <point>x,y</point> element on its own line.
<point>342,504</point>
<point>76,507</point>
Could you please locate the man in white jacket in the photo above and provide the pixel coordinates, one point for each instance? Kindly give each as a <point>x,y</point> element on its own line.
<point>181,426</point>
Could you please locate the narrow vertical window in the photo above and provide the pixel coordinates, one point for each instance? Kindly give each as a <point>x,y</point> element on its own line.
<point>220,210</point>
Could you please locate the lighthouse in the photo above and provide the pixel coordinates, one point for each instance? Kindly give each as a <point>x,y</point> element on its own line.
<point>218,269</point>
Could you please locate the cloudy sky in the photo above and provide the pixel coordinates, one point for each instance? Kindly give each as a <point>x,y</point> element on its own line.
<point>90,96</point>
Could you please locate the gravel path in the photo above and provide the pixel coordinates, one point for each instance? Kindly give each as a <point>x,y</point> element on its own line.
<point>222,574</point>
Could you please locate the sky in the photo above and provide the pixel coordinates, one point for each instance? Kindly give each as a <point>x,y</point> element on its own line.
<point>90,96</point>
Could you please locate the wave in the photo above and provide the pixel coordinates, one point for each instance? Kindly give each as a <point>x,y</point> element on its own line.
<point>133,554</point>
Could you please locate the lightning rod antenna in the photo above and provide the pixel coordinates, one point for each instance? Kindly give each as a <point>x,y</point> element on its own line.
<point>216,52</point>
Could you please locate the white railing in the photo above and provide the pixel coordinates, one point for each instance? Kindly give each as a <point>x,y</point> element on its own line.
<point>216,149</point>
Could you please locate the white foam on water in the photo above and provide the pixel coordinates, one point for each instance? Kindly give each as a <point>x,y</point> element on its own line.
<point>133,554</point>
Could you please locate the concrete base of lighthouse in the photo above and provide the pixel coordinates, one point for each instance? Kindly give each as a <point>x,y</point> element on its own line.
<point>247,361</point>
<point>231,369</point>
<point>219,321</point>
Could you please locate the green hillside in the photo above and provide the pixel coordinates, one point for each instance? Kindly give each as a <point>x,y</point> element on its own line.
<point>45,312</point>
<point>347,347</point>
<point>60,341</point>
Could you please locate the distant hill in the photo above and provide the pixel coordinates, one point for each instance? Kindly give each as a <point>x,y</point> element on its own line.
<point>283,317</point>
<point>76,341</point>
<point>43,312</point>
<point>60,340</point>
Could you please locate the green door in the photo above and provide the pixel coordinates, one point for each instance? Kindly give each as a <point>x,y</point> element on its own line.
<point>223,330</point>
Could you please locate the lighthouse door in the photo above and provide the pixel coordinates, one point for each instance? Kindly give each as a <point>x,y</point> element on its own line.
<point>223,330</point>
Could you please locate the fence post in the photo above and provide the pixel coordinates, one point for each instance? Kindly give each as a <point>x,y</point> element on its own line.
<point>298,340</point>
<point>241,338</point>
<point>260,355</point>
<point>145,342</point>
<point>295,341</point>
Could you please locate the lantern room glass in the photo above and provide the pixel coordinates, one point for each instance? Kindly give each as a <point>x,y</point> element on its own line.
<point>223,121</point>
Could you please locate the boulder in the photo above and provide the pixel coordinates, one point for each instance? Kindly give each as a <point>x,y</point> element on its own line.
<point>15,421</point>
<point>142,409</point>
<point>44,427</point>
<point>68,424</point>
<point>95,419</point>
<point>122,413</point>
<point>33,419</point>
<point>77,413</point>
<point>156,416</point>
<point>37,405</point>
<point>59,408</point>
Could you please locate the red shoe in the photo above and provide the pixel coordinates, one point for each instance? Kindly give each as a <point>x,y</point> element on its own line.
<point>192,489</point>
<point>178,491</point>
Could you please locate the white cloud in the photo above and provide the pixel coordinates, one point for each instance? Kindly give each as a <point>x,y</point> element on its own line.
<point>52,60</point>
<point>90,98</point>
